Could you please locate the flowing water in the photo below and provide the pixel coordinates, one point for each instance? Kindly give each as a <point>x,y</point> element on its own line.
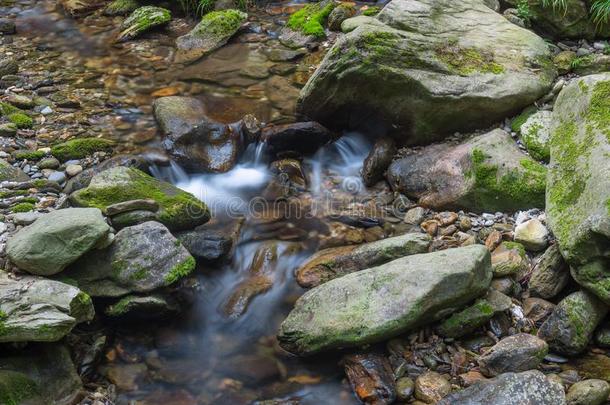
<point>222,351</point>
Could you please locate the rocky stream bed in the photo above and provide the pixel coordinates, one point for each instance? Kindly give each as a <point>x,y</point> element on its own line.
<point>293,203</point>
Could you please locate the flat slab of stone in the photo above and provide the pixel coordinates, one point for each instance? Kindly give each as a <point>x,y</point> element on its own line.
<point>381,302</point>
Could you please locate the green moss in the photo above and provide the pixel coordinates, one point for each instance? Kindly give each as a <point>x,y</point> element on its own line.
<point>520,119</point>
<point>371,11</point>
<point>516,245</point>
<point>178,208</point>
<point>582,61</point>
<point>15,388</point>
<point>599,108</point>
<point>80,148</point>
<point>310,20</point>
<point>28,154</point>
<point>468,320</point>
<point>7,109</point>
<point>119,308</point>
<point>13,193</point>
<point>22,207</point>
<point>121,7</point>
<point>221,23</point>
<point>466,61</point>
<point>518,187</point>
<point>22,120</point>
<point>180,271</point>
<point>537,149</point>
<point>139,274</point>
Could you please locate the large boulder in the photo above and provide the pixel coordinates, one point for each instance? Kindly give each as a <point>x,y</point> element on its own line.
<point>484,173</point>
<point>381,302</point>
<point>212,32</point>
<point>578,192</point>
<point>432,67</point>
<point>566,19</point>
<point>34,309</point>
<point>41,374</point>
<point>141,259</point>
<point>529,387</point>
<point>57,239</point>
<point>194,141</point>
<point>178,210</point>
<point>331,263</point>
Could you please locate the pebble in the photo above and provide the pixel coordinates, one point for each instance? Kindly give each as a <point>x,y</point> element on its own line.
<point>46,111</point>
<point>73,170</point>
<point>431,387</point>
<point>58,177</point>
<point>415,216</point>
<point>532,234</point>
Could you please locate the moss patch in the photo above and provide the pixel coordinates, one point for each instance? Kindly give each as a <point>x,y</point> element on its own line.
<point>80,148</point>
<point>121,7</point>
<point>371,11</point>
<point>537,149</point>
<point>16,387</point>
<point>16,116</point>
<point>466,61</point>
<point>518,187</point>
<point>310,20</point>
<point>466,321</point>
<point>520,119</point>
<point>180,271</point>
<point>220,23</point>
<point>28,154</point>
<point>599,108</point>
<point>22,207</point>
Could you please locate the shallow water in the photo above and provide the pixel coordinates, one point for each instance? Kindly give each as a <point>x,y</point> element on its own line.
<point>210,356</point>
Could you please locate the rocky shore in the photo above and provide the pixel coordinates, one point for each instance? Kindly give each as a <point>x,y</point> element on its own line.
<point>324,203</point>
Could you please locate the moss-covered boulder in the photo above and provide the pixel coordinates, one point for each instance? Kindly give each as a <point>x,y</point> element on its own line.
<point>34,309</point>
<point>10,173</point>
<point>571,325</point>
<point>178,209</point>
<point>212,32</point>
<point>484,173</point>
<point>80,148</point>
<point>381,302</point>
<point>428,68</point>
<point>121,7</point>
<point>141,259</point>
<point>16,116</point>
<point>578,193</point>
<point>142,20</point>
<point>331,263</point>
<point>508,259</point>
<point>566,18</point>
<point>56,239</point>
<point>550,274</point>
<point>536,135</point>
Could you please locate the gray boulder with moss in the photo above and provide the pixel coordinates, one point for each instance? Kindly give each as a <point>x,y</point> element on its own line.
<point>431,68</point>
<point>141,259</point>
<point>331,263</point>
<point>178,210</point>
<point>57,239</point>
<point>568,19</point>
<point>484,173</point>
<point>381,302</point>
<point>578,193</point>
<point>536,135</point>
<point>212,32</point>
<point>40,374</point>
<point>571,325</point>
<point>34,309</point>
<point>142,20</point>
<point>516,353</point>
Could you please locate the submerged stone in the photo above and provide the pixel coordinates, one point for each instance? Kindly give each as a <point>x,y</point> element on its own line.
<point>381,302</point>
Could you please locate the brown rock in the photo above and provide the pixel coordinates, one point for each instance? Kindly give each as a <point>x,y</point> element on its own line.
<point>378,160</point>
<point>493,240</point>
<point>301,137</point>
<point>431,387</point>
<point>371,378</point>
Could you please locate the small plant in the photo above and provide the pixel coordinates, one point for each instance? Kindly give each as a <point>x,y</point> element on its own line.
<point>561,5</point>
<point>523,11</point>
<point>581,60</point>
<point>600,12</point>
<point>205,6</point>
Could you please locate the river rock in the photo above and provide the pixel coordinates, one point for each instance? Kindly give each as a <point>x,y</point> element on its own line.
<point>301,137</point>
<point>431,387</point>
<point>339,14</point>
<point>398,78</point>
<point>537,309</point>
<point>568,19</point>
<point>578,193</point>
<point>212,32</point>
<point>371,378</point>
<point>484,173</point>
<point>7,27</point>
<point>80,8</point>
<point>56,239</point>
<point>133,307</point>
<point>8,66</point>
<point>550,274</point>
<point>384,301</point>
<point>520,352</point>
<point>179,210</point>
<point>211,242</point>
<point>532,234</point>
<point>331,263</point>
<point>592,64</point>
<point>602,335</point>
<point>141,259</point>
<point>142,20</point>
<point>536,135</point>
<point>10,173</point>
<point>34,309</point>
<point>39,375</point>
<point>572,323</point>
<point>473,317</point>
<point>529,387</point>
<point>196,142</point>
<point>509,258</point>
<point>588,392</point>
<point>378,160</point>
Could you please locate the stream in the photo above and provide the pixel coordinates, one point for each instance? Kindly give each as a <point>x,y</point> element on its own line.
<point>223,350</point>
